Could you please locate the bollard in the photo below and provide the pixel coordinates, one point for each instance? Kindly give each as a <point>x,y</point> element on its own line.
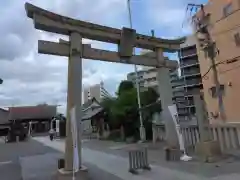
<point>138,159</point>
<point>167,154</point>
<point>17,138</point>
<point>61,163</point>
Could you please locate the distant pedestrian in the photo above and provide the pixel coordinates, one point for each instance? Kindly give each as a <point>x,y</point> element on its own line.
<point>51,134</point>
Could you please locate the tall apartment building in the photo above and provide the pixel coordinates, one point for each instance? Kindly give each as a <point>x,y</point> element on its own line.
<point>190,72</point>
<point>224,27</point>
<point>148,78</point>
<point>97,91</point>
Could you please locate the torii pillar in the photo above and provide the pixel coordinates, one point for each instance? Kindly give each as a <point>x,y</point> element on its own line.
<point>74,99</point>
<point>74,95</point>
<point>166,95</point>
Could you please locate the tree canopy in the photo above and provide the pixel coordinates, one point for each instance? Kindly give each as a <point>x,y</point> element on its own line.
<point>124,111</point>
<point>124,86</point>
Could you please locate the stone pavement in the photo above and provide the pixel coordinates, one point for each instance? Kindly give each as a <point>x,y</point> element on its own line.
<point>228,165</point>
<point>32,160</point>
<point>12,156</point>
<point>117,164</point>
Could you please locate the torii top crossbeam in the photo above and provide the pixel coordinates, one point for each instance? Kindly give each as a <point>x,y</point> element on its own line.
<point>51,22</point>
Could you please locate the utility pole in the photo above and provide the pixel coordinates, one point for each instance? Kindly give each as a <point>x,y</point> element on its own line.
<point>210,50</point>
<point>141,129</point>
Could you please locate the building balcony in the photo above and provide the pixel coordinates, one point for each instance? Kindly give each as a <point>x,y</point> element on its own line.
<point>191,92</point>
<point>179,99</point>
<point>176,83</point>
<point>178,93</point>
<point>189,63</point>
<point>193,82</point>
<point>181,105</point>
<point>179,88</point>
<point>186,56</point>
<point>189,102</point>
<point>187,74</point>
<point>188,51</point>
<point>190,106</point>
<point>182,112</point>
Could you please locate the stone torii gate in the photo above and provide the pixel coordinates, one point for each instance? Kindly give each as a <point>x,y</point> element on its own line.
<point>126,39</point>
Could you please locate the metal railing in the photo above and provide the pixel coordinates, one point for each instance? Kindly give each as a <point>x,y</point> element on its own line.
<point>138,159</point>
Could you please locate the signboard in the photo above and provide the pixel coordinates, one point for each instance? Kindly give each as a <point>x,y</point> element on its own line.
<point>76,165</point>
<point>57,126</point>
<point>174,114</point>
<point>30,128</point>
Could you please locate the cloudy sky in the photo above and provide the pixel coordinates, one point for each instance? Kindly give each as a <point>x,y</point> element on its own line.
<point>31,78</point>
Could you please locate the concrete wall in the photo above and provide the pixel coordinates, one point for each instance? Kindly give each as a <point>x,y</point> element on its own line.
<point>223,29</point>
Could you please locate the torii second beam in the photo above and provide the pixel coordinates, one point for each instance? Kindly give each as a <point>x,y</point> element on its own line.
<point>63,49</point>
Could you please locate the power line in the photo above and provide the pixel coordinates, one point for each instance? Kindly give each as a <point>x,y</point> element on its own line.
<point>213,23</point>
<point>227,61</point>
<point>236,67</point>
<point>209,69</point>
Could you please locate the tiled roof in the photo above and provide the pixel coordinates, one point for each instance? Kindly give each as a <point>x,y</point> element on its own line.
<point>91,113</point>
<point>88,103</point>
<point>90,110</point>
<point>32,112</point>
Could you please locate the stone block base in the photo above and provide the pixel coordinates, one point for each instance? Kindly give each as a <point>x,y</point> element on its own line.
<point>208,151</point>
<point>172,154</point>
<point>82,174</point>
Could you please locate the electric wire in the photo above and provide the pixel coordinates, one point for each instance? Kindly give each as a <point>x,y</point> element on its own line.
<point>221,62</point>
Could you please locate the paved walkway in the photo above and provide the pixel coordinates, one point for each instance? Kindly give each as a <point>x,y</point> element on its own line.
<point>118,165</point>
<point>228,165</point>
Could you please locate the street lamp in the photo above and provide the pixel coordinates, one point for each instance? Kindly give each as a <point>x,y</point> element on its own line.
<point>141,129</point>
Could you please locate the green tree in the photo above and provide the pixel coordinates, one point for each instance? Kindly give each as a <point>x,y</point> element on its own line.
<point>109,104</point>
<point>124,86</point>
<point>123,110</point>
<point>150,102</point>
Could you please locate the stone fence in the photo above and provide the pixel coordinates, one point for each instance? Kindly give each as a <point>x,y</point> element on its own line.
<point>228,135</point>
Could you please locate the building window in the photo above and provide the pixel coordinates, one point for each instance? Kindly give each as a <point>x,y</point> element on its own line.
<point>213,91</point>
<point>227,10</point>
<point>237,39</point>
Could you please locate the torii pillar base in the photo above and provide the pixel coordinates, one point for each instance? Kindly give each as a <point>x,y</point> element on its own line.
<point>208,151</point>
<point>82,174</point>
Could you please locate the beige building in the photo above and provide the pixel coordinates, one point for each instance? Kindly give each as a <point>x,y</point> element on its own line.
<point>148,78</point>
<point>224,28</point>
<point>96,91</point>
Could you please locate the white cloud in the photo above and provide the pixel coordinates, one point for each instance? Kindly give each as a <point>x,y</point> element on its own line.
<point>171,16</point>
<point>31,78</point>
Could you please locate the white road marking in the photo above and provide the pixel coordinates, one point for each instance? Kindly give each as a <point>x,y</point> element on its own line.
<point>5,162</point>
